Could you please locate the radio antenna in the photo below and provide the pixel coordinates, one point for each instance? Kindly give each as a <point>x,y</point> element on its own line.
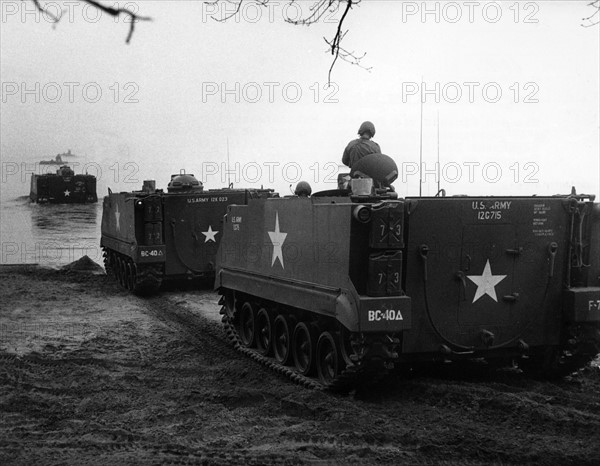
<point>421,143</point>
<point>228,171</point>
<point>438,152</point>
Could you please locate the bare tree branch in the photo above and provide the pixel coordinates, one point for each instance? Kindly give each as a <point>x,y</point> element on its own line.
<point>348,57</point>
<point>317,12</point>
<point>106,9</point>
<point>238,4</point>
<point>237,10</point>
<point>594,18</point>
<point>43,10</point>
<point>335,43</point>
<point>117,12</point>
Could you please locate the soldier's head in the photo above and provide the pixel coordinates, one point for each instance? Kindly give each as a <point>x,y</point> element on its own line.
<point>366,130</point>
<point>303,189</point>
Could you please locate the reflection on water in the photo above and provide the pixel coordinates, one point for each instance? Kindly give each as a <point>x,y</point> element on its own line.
<point>60,219</point>
<point>63,233</point>
<point>49,234</point>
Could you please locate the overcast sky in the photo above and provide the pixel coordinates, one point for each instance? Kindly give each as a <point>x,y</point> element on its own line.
<point>516,86</point>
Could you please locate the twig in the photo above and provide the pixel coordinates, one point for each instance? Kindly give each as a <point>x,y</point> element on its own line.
<point>317,11</point>
<point>595,4</point>
<point>106,9</point>
<point>41,9</point>
<point>335,43</point>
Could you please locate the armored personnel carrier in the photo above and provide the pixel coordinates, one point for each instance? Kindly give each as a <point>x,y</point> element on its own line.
<point>350,284</point>
<point>63,187</point>
<point>149,236</point>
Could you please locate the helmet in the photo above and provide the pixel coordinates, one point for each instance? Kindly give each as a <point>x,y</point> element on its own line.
<point>367,126</point>
<point>303,189</point>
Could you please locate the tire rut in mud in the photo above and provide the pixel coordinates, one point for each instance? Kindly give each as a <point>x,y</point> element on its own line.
<point>208,336</point>
<point>201,332</point>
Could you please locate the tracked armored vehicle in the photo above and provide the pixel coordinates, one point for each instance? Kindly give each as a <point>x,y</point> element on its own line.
<point>344,286</point>
<point>150,236</point>
<point>63,187</point>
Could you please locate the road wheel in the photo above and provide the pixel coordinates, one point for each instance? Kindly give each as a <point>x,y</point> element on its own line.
<point>328,358</point>
<point>304,347</point>
<point>264,332</point>
<point>281,340</point>
<point>247,328</point>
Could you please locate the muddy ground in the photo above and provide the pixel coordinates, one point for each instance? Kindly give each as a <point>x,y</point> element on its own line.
<point>90,374</point>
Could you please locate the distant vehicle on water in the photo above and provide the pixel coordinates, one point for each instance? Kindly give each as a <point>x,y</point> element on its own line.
<point>64,186</point>
<point>58,160</point>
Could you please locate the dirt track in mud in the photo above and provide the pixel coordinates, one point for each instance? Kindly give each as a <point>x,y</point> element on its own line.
<point>92,375</point>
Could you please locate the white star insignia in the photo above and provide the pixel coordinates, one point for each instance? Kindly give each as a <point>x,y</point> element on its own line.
<point>67,193</point>
<point>210,235</point>
<point>118,217</point>
<point>277,238</point>
<point>486,282</point>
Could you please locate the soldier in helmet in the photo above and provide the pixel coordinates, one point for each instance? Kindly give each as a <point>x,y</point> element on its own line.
<point>303,189</point>
<point>358,148</point>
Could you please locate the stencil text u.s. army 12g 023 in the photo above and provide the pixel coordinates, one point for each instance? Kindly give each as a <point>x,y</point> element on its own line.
<point>149,236</point>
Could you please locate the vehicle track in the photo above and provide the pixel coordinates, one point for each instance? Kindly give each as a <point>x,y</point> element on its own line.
<point>196,327</point>
<point>208,336</point>
<point>212,338</point>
